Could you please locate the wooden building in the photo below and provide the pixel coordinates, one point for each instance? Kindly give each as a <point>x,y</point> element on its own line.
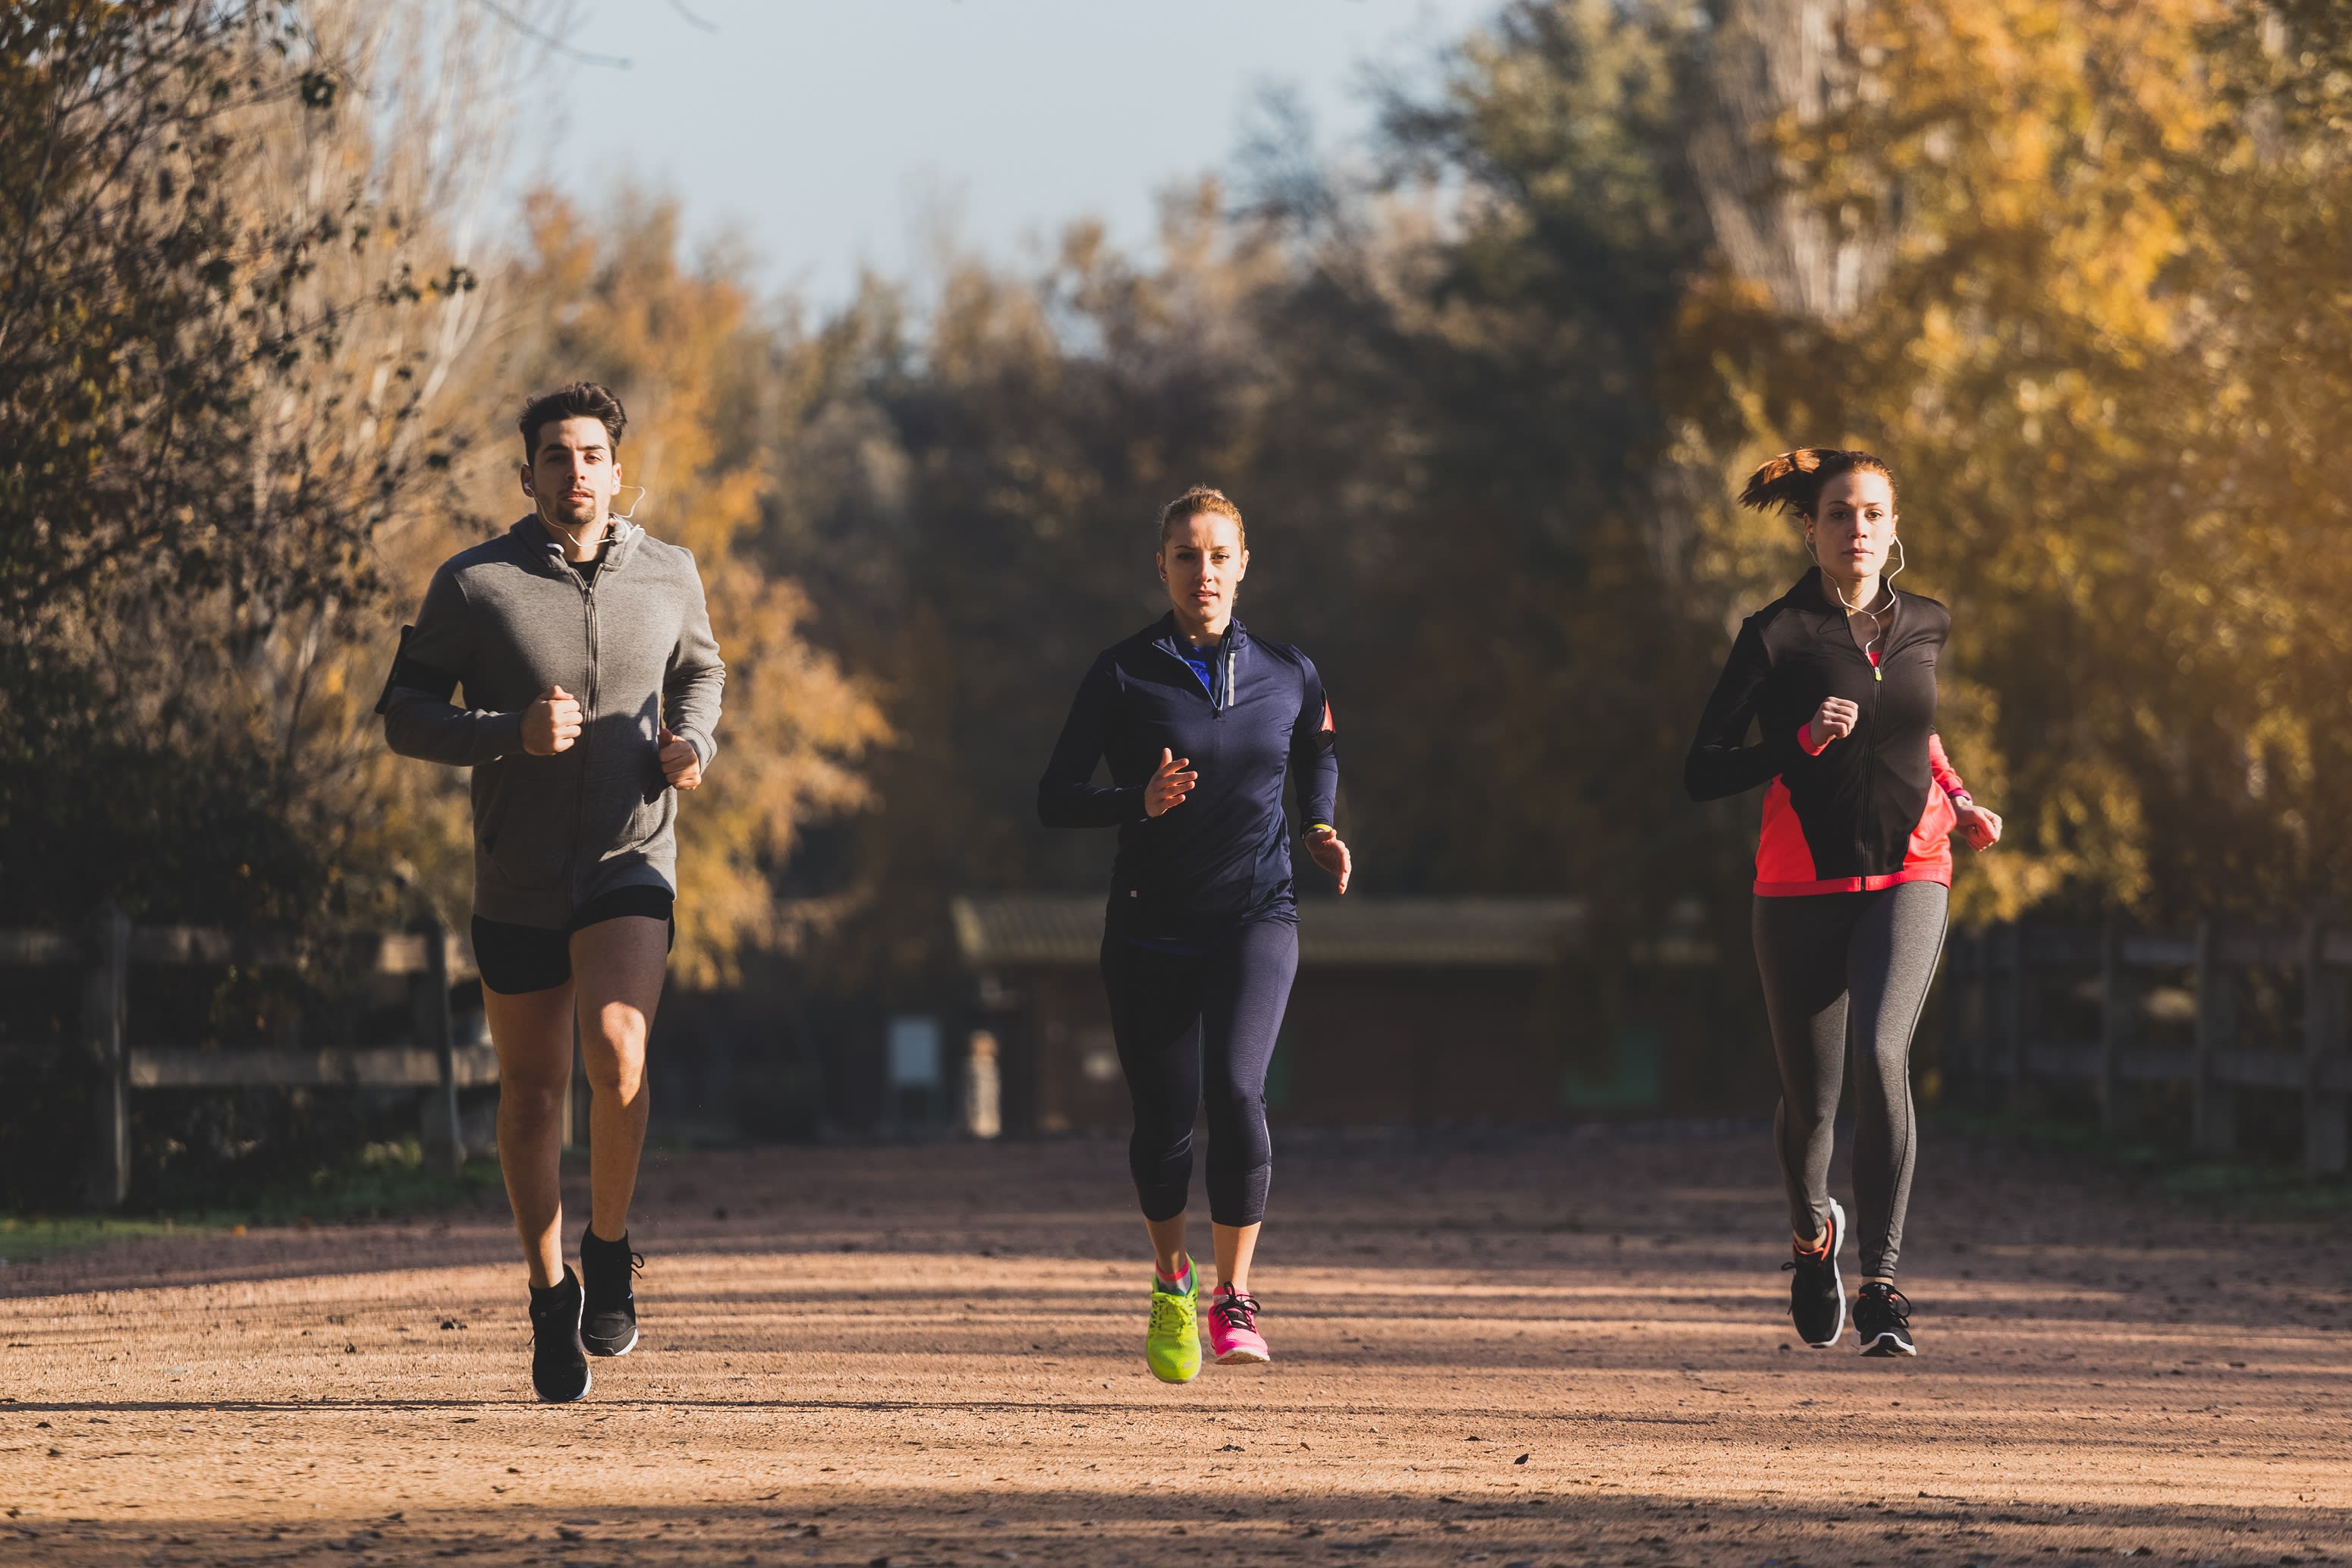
<point>1406,1010</point>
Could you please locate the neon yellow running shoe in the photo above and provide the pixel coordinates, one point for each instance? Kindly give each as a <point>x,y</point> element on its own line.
<point>1172,1344</point>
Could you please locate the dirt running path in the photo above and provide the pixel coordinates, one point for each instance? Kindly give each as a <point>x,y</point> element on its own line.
<point>1555,1349</point>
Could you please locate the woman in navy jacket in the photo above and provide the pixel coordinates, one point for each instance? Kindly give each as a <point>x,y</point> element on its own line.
<point>1199,723</point>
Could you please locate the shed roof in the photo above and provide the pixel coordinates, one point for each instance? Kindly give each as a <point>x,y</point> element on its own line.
<point>1057,928</point>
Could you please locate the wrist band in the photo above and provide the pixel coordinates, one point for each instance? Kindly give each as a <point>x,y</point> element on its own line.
<point>1314,827</point>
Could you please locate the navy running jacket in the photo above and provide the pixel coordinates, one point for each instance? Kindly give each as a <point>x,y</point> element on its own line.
<point>1223,852</point>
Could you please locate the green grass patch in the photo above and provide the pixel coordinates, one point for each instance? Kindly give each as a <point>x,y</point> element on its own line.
<point>24,1239</point>
<point>2239,1186</point>
<point>2166,1168</point>
<point>381,1181</point>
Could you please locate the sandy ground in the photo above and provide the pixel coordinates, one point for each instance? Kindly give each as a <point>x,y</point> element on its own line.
<point>1534,1350</point>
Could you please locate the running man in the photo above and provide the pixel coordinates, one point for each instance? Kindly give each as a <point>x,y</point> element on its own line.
<point>1854,870</point>
<point>592,685</point>
<point>1200,722</point>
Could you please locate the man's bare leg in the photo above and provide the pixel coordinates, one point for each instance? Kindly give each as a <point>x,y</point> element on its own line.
<point>532,1032</point>
<point>617,967</point>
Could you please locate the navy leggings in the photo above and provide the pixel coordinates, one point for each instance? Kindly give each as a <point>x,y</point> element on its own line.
<point>1234,989</point>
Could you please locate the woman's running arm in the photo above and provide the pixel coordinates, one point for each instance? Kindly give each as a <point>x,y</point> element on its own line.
<point>1315,758</point>
<point>1978,826</point>
<point>1940,765</point>
<point>419,719</point>
<point>1721,762</point>
<point>1067,796</point>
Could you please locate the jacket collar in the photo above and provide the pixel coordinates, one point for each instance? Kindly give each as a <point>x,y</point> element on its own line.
<point>530,536</point>
<point>1808,593</point>
<point>1164,630</point>
<point>1811,593</point>
<point>1224,662</point>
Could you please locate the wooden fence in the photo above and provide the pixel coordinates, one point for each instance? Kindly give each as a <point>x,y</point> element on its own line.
<point>2213,1011</point>
<point>433,1063</point>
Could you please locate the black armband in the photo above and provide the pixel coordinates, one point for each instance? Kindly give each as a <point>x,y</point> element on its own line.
<point>415,675</point>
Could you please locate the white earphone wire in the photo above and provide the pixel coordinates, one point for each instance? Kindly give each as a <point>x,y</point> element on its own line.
<point>1886,582</point>
<point>627,517</point>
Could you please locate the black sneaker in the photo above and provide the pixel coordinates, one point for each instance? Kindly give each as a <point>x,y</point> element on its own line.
<point>559,1363</point>
<point>1816,1293</point>
<point>1882,1321</point>
<point>608,1326</point>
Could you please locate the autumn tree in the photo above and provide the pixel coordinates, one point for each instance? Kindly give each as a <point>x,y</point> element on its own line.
<point>2108,359</point>
<point>227,309</point>
<point>230,296</point>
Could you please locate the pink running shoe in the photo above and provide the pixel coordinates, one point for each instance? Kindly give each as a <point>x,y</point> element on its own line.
<point>1232,1327</point>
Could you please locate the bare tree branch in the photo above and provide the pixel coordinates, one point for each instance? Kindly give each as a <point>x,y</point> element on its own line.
<point>548,40</point>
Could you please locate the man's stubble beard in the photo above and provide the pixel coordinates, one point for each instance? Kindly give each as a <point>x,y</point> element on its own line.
<point>574,515</point>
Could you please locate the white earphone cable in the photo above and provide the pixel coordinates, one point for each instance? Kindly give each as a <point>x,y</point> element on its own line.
<point>1886,582</point>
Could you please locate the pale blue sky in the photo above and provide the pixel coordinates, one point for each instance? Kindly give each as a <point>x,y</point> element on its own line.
<point>822,130</point>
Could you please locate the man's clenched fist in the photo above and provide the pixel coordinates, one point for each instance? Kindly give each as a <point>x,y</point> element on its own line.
<point>552,722</point>
<point>679,765</point>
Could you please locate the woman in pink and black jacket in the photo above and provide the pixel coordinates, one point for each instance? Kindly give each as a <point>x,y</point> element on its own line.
<point>1853,865</point>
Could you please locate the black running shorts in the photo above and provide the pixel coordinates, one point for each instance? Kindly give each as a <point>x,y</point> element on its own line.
<point>515,959</point>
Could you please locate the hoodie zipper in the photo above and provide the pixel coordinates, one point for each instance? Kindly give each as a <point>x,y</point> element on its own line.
<point>587,587</point>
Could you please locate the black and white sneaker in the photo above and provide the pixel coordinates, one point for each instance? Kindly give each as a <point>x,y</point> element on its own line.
<point>1816,1292</point>
<point>558,1362</point>
<point>608,1326</point>
<point>1882,1321</point>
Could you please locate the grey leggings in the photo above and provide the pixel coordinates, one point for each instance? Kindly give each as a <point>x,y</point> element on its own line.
<point>1840,966</point>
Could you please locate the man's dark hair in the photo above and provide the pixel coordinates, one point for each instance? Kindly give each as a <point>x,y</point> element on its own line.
<point>580,400</point>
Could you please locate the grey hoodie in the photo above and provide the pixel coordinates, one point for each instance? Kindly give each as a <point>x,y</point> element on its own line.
<point>511,617</point>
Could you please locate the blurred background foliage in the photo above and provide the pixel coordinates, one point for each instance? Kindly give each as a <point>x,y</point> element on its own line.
<point>267,308</point>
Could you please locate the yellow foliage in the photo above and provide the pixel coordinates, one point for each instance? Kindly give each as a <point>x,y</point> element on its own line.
<point>2107,365</point>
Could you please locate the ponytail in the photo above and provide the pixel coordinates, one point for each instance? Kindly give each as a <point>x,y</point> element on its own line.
<point>1793,480</point>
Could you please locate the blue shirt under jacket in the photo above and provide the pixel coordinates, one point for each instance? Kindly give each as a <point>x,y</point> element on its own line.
<point>1223,853</point>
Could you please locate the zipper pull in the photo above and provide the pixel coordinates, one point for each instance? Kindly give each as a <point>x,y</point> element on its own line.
<point>1875,674</point>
